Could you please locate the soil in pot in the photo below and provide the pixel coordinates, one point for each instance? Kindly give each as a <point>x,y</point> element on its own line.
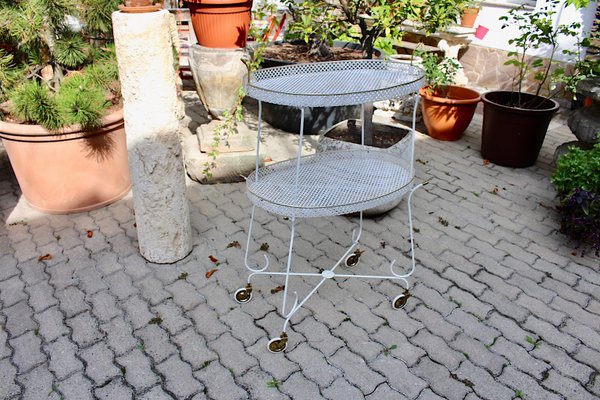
<point>299,53</point>
<point>384,136</point>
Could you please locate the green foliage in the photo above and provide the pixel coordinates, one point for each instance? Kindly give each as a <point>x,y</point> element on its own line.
<point>578,169</point>
<point>439,72</point>
<point>320,22</point>
<point>537,30</point>
<point>56,69</point>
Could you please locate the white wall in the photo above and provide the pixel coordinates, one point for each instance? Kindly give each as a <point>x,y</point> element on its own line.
<point>498,38</point>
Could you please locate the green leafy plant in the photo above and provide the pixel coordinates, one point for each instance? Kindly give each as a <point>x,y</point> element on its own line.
<point>537,30</point>
<point>319,22</point>
<point>439,72</point>
<point>56,67</point>
<point>578,169</point>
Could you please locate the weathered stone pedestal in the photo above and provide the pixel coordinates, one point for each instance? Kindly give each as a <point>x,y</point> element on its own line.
<point>585,122</point>
<point>152,112</point>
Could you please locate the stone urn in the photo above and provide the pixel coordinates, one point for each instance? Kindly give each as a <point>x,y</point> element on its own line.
<point>585,122</point>
<point>218,73</point>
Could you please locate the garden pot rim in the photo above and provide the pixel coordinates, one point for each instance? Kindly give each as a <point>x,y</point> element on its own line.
<point>475,96</point>
<point>11,130</point>
<point>219,2</point>
<point>485,99</point>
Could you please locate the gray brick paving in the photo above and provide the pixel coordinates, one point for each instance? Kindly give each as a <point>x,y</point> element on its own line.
<point>98,321</point>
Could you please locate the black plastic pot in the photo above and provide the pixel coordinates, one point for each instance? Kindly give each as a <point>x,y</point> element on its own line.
<point>512,136</point>
<point>316,119</point>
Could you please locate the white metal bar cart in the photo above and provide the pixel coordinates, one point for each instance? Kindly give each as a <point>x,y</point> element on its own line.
<point>334,182</point>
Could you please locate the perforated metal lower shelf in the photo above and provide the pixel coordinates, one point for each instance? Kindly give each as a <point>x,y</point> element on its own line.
<point>329,183</point>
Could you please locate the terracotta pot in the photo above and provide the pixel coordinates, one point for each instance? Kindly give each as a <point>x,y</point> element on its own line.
<point>513,136</point>
<point>468,17</point>
<point>71,171</point>
<point>221,24</point>
<point>446,118</point>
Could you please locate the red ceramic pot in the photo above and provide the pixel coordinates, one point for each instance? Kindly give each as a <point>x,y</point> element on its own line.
<point>221,23</point>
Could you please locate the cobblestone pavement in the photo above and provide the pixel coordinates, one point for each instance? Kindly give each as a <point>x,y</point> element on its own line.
<point>501,308</point>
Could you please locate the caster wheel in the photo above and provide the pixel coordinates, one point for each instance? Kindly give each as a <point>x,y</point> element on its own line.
<point>243,295</point>
<point>278,344</point>
<point>353,258</point>
<point>400,301</point>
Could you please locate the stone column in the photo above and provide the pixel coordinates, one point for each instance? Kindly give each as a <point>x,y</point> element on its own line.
<point>151,110</point>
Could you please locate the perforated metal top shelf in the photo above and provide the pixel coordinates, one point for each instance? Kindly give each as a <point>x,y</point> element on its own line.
<point>335,83</point>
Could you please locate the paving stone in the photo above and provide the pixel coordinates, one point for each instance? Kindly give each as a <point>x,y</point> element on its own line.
<point>104,306</point>
<point>520,358</point>
<point>9,266</point>
<point>137,312</point>
<point>589,288</point>
<point>563,363</point>
<point>484,384</point>
<point>11,291</point>
<point>340,389</point>
<point>437,349</point>
<point>178,377</point>
<point>115,389</point>
<point>156,393</point>
<point>576,312</point>
<point>194,349</point>
<point>432,299</point>
<point>588,356</point>
<point>358,340</point>
<point>4,350</point>
<point>76,387</point>
<point>27,351</point>
<point>120,285</point>
<point>219,383</point>
<point>172,318</point>
<point>41,296</point>
<point>313,365</point>
<point>18,319</point>
<point>478,353</point>
<point>358,372</point>
<point>532,288</point>
<point>540,309</point>
<point>186,296</point>
<point>385,392</point>
<point>464,281</point>
<point>505,306</point>
<point>106,262</point>
<point>468,302</point>
<point>435,323</point>
<point>8,387</point>
<point>37,383</point>
<point>432,279</point>
<point>119,335</point>
<point>63,361</point>
<point>156,342</point>
<point>440,380</point>
<point>498,284</point>
<point>472,326</point>
<point>550,334</point>
<point>51,322</point>
<point>85,329</point>
<point>206,322</point>
<point>72,301</point>
<point>90,280</point>
<point>319,337</point>
<point>256,382</point>
<point>137,369</point>
<point>524,268</point>
<point>99,363</point>
<point>427,394</point>
<point>297,387</point>
<point>135,266</point>
<point>398,346</point>
<point>584,333</point>
<point>274,364</point>
<point>568,387</point>
<point>152,290</point>
<point>530,387</point>
<point>509,328</point>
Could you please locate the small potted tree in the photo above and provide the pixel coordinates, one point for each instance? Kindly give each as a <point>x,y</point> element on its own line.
<point>515,122</point>
<point>447,109</point>
<point>59,117</point>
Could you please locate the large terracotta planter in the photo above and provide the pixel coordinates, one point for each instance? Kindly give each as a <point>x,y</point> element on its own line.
<point>222,24</point>
<point>446,118</point>
<point>70,171</point>
<point>512,136</point>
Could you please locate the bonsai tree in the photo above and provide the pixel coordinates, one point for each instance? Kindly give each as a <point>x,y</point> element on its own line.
<point>319,22</point>
<point>57,67</point>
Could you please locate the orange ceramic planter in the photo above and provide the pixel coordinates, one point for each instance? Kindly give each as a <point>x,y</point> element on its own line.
<point>468,17</point>
<point>222,24</point>
<point>446,118</point>
<point>70,171</point>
